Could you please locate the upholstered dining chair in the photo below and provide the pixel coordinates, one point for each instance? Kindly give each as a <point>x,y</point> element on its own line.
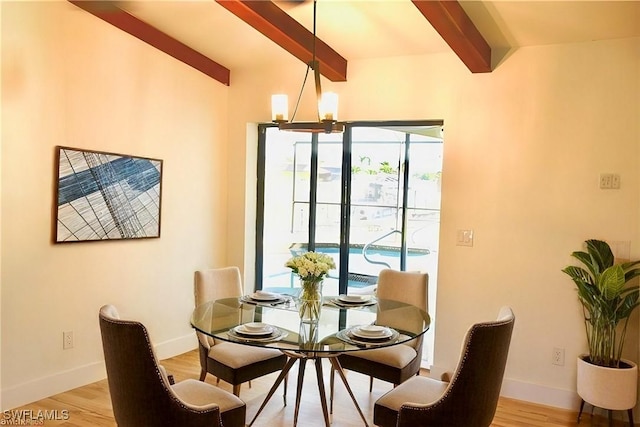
<point>230,362</point>
<point>141,393</point>
<point>397,363</point>
<point>471,395</point>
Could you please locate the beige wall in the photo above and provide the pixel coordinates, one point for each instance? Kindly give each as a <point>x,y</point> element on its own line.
<point>72,79</point>
<point>524,147</point>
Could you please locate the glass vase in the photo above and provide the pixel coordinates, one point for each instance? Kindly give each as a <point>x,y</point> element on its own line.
<point>310,301</point>
<point>308,337</point>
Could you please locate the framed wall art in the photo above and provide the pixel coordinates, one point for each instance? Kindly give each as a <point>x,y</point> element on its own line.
<point>106,196</point>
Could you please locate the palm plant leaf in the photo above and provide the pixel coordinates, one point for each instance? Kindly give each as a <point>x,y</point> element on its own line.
<point>629,303</point>
<point>601,253</point>
<point>630,271</point>
<point>611,282</point>
<point>578,274</point>
<point>587,260</point>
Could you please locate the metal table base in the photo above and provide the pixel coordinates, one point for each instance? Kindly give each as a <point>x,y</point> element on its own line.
<point>302,358</point>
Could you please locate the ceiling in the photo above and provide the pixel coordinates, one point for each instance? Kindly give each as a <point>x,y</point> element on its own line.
<point>363,29</point>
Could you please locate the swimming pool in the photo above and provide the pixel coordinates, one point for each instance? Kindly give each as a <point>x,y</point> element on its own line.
<point>363,270</point>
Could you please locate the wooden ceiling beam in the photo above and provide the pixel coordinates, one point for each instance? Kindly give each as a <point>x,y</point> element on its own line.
<point>114,15</point>
<point>289,34</point>
<point>454,25</point>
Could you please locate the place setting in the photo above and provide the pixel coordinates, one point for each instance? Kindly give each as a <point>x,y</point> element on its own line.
<point>265,298</point>
<point>256,332</point>
<point>368,335</point>
<point>351,301</point>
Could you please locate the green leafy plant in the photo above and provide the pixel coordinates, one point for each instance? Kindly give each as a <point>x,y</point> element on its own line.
<point>607,301</point>
<point>385,167</point>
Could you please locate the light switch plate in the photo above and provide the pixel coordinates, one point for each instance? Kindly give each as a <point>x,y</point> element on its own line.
<point>464,238</point>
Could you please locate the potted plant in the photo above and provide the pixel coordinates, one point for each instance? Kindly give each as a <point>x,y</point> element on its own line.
<point>605,379</point>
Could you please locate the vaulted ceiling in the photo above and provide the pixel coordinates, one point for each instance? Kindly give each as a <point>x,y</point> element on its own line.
<point>216,36</point>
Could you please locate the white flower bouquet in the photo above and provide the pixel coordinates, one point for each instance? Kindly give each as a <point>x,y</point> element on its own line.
<point>311,268</point>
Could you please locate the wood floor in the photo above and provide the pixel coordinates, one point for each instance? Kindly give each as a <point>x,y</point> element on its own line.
<point>91,406</point>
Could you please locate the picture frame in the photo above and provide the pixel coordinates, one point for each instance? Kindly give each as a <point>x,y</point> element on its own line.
<point>106,196</point>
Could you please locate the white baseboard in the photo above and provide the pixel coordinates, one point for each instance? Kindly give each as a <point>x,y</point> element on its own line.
<point>176,346</point>
<point>557,398</point>
<point>542,395</point>
<point>60,382</point>
<point>528,392</point>
<point>52,384</point>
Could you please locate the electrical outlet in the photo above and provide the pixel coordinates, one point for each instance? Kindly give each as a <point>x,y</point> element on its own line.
<point>67,340</point>
<point>557,358</point>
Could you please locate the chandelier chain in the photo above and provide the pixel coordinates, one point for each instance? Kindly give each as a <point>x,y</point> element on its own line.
<point>313,61</point>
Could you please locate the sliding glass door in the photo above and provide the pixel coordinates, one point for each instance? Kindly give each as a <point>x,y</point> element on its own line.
<point>395,201</point>
<point>369,197</point>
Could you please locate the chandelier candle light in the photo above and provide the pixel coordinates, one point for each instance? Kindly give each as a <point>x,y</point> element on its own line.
<point>327,103</point>
<point>311,268</point>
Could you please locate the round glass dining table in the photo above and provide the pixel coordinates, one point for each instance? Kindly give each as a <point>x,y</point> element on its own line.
<point>343,326</point>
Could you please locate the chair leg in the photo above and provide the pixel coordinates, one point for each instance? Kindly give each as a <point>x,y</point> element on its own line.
<point>249,383</point>
<point>203,374</point>
<point>370,384</point>
<point>630,414</point>
<point>580,412</point>
<point>236,389</point>
<point>610,418</point>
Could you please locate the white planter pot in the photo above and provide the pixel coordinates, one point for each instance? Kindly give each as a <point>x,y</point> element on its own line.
<point>608,388</point>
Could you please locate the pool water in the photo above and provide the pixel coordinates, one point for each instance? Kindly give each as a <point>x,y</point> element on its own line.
<point>363,272</point>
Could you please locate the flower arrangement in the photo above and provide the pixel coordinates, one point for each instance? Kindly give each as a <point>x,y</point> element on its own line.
<point>311,268</point>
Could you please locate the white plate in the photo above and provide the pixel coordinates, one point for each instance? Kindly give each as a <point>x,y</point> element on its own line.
<point>264,296</point>
<point>369,342</point>
<point>276,335</point>
<point>378,335</point>
<point>242,330</point>
<point>354,299</point>
<point>373,329</point>
<point>255,326</point>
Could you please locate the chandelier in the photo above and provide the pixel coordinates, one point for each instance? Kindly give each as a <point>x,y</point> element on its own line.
<point>327,103</point>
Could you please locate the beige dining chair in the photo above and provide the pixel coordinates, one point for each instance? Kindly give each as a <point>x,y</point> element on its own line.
<point>140,390</point>
<point>469,398</point>
<point>227,361</point>
<point>394,364</point>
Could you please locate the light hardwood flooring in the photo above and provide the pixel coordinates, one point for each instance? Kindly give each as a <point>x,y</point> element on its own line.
<point>91,406</point>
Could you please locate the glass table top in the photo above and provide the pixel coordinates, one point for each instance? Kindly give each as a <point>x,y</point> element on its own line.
<point>342,327</point>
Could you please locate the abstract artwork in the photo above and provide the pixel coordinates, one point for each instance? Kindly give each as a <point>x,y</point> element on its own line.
<point>106,196</point>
